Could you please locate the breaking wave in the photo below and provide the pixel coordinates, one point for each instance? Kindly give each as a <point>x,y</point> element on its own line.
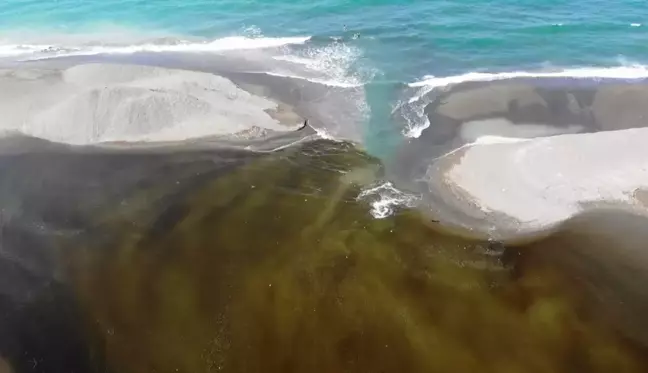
<point>419,94</point>
<point>318,76</point>
<point>385,199</point>
<point>41,51</point>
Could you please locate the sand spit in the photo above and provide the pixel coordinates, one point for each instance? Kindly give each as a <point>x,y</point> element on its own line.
<point>534,108</point>
<point>530,185</point>
<point>94,103</point>
<point>511,158</point>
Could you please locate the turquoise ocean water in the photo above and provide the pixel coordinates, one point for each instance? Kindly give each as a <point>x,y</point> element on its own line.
<point>380,44</point>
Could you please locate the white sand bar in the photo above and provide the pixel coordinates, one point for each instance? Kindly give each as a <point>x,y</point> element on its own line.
<point>543,181</point>
<point>96,103</point>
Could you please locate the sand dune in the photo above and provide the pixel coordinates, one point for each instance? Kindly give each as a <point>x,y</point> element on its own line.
<point>94,103</point>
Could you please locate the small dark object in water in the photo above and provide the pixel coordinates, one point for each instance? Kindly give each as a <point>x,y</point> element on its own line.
<point>496,246</point>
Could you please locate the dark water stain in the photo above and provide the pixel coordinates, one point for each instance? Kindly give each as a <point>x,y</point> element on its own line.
<point>274,266</point>
<point>43,334</point>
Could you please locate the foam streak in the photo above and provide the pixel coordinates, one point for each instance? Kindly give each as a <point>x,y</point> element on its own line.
<point>219,45</point>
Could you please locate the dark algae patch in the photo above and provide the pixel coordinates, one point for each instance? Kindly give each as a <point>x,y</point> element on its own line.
<point>274,266</point>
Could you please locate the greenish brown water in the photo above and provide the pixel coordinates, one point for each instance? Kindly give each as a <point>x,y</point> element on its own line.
<point>276,267</point>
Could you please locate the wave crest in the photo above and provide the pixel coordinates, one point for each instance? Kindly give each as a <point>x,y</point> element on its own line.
<point>40,51</point>
<point>412,108</point>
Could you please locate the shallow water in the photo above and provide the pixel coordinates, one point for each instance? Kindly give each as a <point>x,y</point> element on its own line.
<point>378,45</point>
<point>403,39</point>
<point>274,265</point>
<point>173,259</point>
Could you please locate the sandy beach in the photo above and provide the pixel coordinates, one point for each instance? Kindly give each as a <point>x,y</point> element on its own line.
<point>502,158</point>
<point>532,185</point>
<point>125,188</point>
<point>506,159</point>
<point>98,103</point>
<point>330,187</point>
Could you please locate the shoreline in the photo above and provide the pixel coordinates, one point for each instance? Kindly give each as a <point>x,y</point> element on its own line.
<point>337,111</point>
<point>521,110</point>
<point>108,103</point>
<point>126,229</point>
<point>507,160</point>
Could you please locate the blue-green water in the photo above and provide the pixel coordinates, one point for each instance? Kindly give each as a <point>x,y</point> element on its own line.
<point>403,39</point>
<point>379,44</point>
<point>178,265</point>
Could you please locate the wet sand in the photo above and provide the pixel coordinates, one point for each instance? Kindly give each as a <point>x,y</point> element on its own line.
<point>253,253</point>
<point>526,108</point>
<point>338,111</point>
<point>94,103</point>
<point>506,159</point>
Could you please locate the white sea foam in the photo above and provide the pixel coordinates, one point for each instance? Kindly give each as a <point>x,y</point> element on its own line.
<point>491,139</point>
<point>324,134</point>
<point>40,51</point>
<point>385,198</point>
<point>417,121</point>
<point>334,62</point>
<point>620,72</point>
<point>11,50</point>
<point>330,64</point>
<point>343,108</point>
<point>331,83</point>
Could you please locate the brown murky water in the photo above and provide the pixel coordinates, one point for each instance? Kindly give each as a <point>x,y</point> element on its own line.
<point>276,267</point>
